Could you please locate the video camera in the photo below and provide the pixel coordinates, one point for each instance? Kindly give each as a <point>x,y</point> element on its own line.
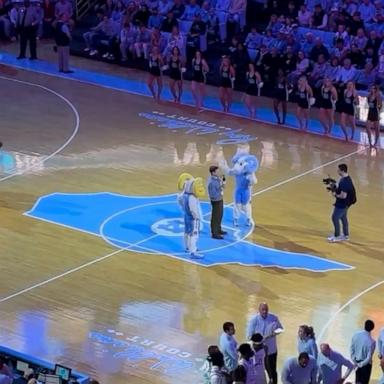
<point>330,183</point>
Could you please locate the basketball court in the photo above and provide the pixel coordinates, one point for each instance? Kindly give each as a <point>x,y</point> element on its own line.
<point>94,274</point>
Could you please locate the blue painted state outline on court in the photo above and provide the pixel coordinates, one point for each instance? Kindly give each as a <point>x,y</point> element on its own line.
<point>153,225</point>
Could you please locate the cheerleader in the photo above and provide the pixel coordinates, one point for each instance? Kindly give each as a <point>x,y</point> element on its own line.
<point>373,120</point>
<point>155,65</point>
<point>227,78</point>
<point>328,99</point>
<point>304,102</point>
<point>254,84</point>
<point>199,70</point>
<point>175,74</point>
<point>347,112</point>
<point>280,96</point>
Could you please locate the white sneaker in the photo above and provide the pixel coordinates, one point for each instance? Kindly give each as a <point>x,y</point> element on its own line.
<point>335,239</point>
<point>87,49</point>
<point>345,238</point>
<point>196,255</point>
<point>105,55</point>
<point>93,52</point>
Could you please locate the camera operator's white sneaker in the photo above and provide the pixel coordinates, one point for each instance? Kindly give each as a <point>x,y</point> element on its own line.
<point>335,239</point>
<point>344,238</point>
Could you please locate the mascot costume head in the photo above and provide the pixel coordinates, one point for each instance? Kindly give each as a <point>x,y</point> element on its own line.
<point>244,167</point>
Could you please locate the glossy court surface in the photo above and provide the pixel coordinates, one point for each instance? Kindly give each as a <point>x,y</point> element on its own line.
<point>93,270</point>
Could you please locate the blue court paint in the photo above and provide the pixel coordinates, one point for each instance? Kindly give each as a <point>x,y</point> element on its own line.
<point>153,225</point>
<point>138,87</point>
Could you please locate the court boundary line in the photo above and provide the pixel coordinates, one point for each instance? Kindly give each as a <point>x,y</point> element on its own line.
<point>54,278</point>
<point>347,304</point>
<point>64,145</point>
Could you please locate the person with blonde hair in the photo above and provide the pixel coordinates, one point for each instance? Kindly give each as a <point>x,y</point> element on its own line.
<point>349,100</point>
<point>328,99</point>
<point>373,120</point>
<point>304,102</point>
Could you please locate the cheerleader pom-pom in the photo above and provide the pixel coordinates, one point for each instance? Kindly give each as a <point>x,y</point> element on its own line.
<point>183,70</point>
<point>312,101</point>
<point>164,67</point>
<point>260,85</point>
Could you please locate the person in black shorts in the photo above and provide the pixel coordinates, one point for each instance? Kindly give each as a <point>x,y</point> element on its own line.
<point>175,74</point>
<point>155,67</point>
<point>199,70</point>
<point>227,77</point>
<point>373,120</point>
<point>253,85</point>
<point>349,100</point>
<point>280,95</point>
<point>328,99</point>
<point>304,95</point>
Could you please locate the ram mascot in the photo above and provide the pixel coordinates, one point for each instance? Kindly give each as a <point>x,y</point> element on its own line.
<point>244,167</point>
<point>191,191</point>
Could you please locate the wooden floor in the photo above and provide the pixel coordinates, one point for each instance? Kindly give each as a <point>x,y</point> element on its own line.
<point>96,319</point>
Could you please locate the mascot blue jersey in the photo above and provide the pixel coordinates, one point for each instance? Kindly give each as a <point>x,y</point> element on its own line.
<point>243,190</point>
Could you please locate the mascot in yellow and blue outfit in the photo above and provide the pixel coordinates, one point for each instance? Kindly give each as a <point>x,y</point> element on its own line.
<point>192,189</point>
<point>244,167</point>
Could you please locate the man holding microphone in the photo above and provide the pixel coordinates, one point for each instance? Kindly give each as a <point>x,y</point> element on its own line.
<point>216,191</point>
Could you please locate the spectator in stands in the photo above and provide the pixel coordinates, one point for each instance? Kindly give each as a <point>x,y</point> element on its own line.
<point>222,13</point>
<point>318,72</point>
<point>199,70</point>
<point>176,66</point>
<point>306,341</point>
<point>319,18</point>
<point>333,70</point>
<point>373,123</point>
<point>274,25</point>
<point>360,40</point>
<point>308,44</point>
<point>367,11</point>
<point>62,39</point>
<point>5,369</point>
<point>155,19</point>
<point>319,49</point>
<point>152,4</point>
<point>143,41</point>
<point>334,19</point>
<point>178,9</point>
<point>288,60</point>
<point>141,16</point>
<point>356,56</point>
<point>268,39</point>
<point>304,102</point>
<point>340,50</point>
<point>346,73</point>
<point>252,90</point>
<point>302,67</point>
<point>227,78</point>
<point>371,57</point>
<point>292,41</point>
<point>349,100</point>
<point>165,6</point>
<point>117,14</point>
<point>355,23</point>
<point>28,375</point>
<point>127,41</point>
<point>260,60</point>
<point>380,68</point>
<point>130,12</point>
<point>342,34</point>
<point>280,96</point>
<point>366,77</point>
<point>304,16</point>
<point>204,11</point>
<point>107,7</point>
<point>328,100</point>
<point>48,7</point>
<point>213,27</point>
<point>253,39</point>
<point>104,30</point>
<point>236,14</point>
<point>169,22</point>
<point>240,60</point>
<point>292,11</point>
<point>175,39</point>
<point>349,7</point>
<point>190,11</point>
<point>197,29</point>
<point>155,75</point>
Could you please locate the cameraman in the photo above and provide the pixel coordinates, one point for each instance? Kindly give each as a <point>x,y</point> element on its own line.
<point>215,192</point>
<point>345,196</point>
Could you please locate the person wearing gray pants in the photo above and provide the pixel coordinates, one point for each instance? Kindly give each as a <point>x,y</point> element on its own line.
<point>63,39</point>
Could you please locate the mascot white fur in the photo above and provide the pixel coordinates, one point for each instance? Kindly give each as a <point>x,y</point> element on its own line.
<point>192,189</point>
<point>244,167</point>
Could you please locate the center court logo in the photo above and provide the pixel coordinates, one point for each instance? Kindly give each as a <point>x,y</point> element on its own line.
<point>198,127</point>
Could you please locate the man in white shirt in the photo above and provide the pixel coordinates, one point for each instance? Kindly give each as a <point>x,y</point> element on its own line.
<point>362,349</point>
<point>346,73</point>
<point>266,323</point>
<point>302,370</point>
<point>330,365</point>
